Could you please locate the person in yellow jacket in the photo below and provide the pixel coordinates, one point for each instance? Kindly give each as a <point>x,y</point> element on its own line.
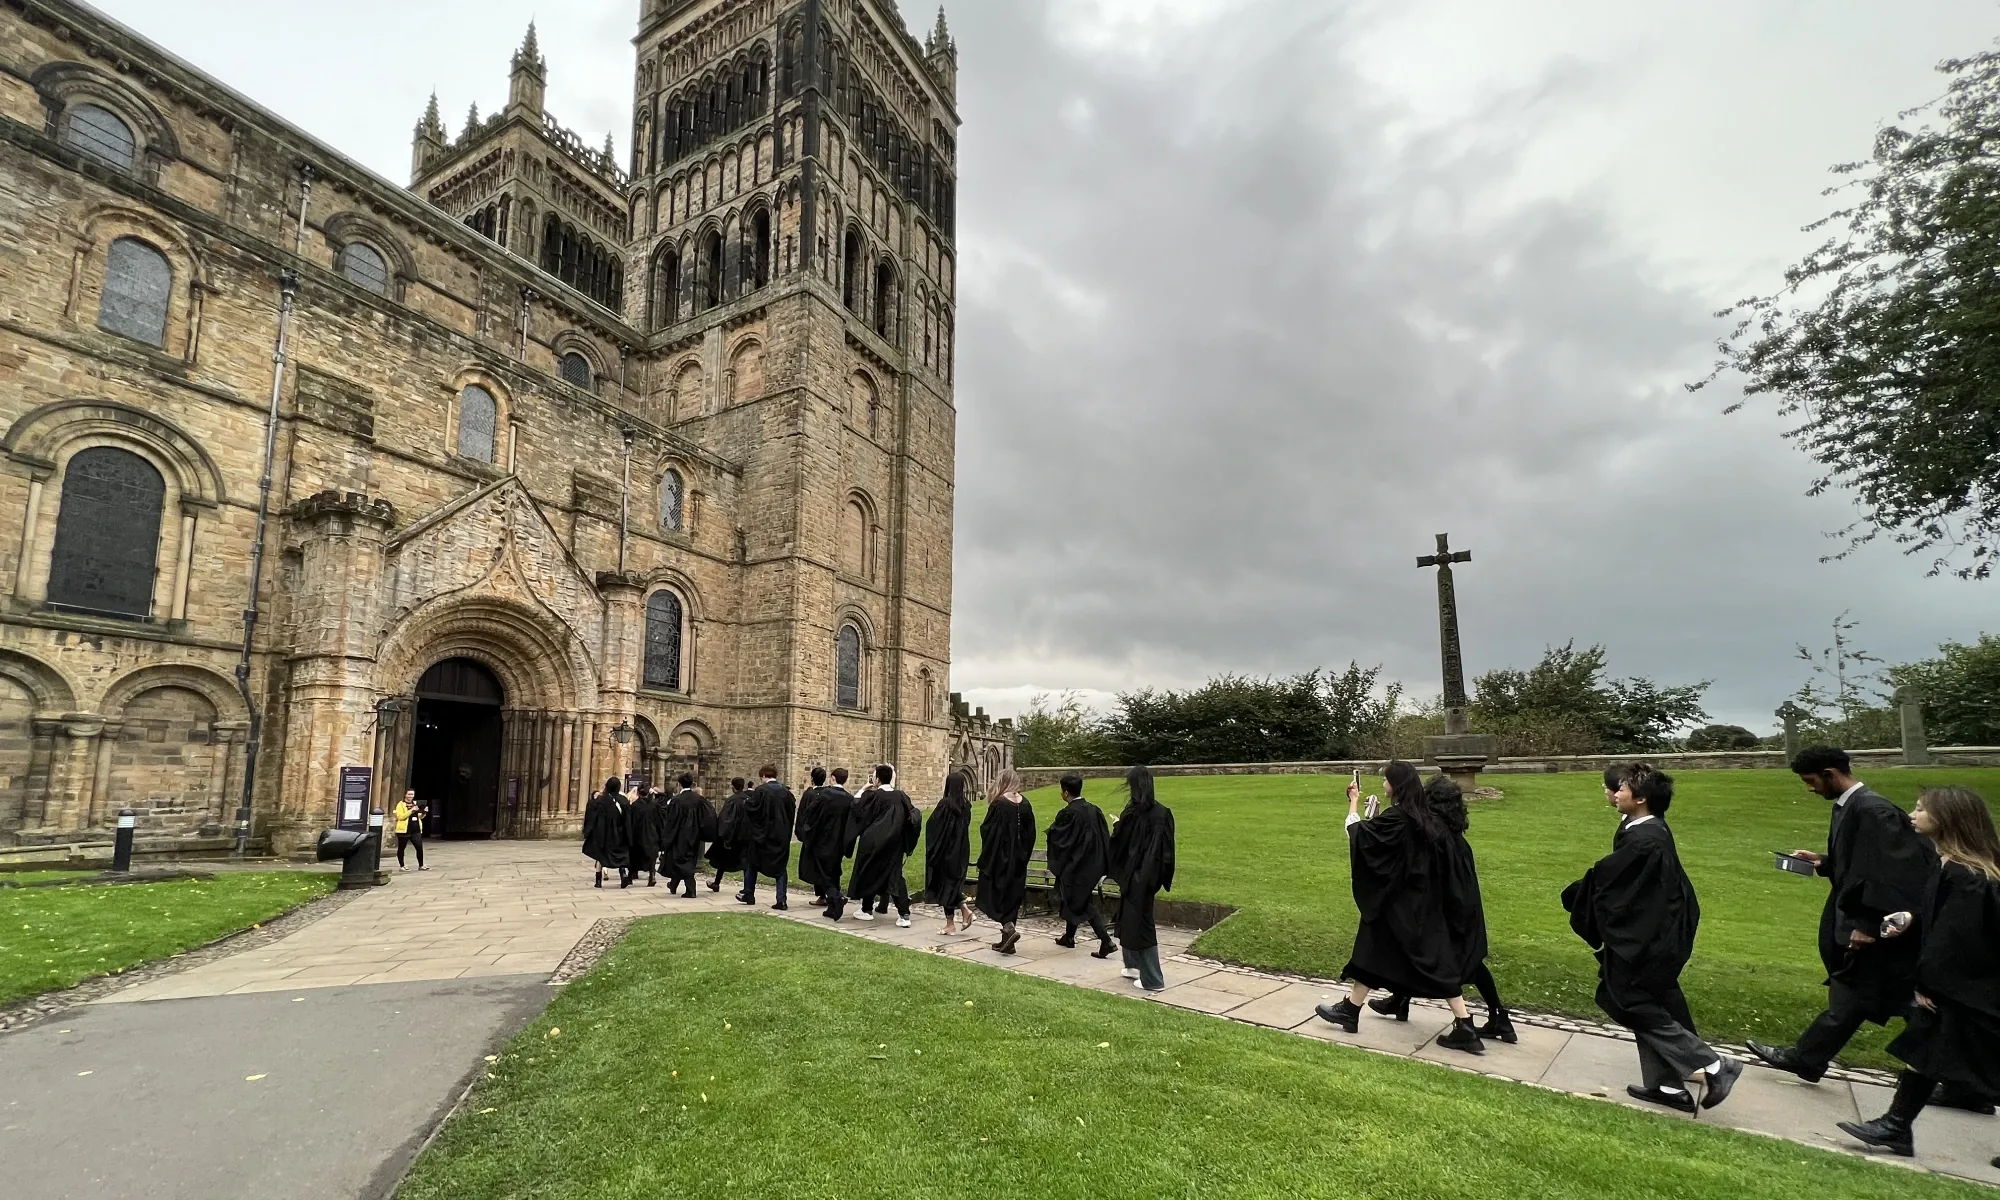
<point>409,819</point>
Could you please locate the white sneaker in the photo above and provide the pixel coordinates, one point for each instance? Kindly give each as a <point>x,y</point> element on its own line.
<point>1130,973</point>
<point>862,916</point>
<point>1140,984</point>
<point>902,922</point>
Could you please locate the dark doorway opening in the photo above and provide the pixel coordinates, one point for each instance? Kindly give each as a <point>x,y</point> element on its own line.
<point>455,763</point>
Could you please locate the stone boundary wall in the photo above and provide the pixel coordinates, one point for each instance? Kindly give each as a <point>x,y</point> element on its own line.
<point>1739,760</point>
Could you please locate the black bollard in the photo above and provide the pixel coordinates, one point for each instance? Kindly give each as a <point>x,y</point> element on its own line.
<point>375,844</point>
<point>121,854</point>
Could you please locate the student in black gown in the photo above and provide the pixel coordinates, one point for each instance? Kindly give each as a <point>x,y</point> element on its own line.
<point>1953,1034</point>
<point>826,839</point>
<point>948,852</point>
<point>1142,861</point>
<point>1637,910</point>
<point>888,827</point>
<point>642,834</point>
<point>1006,840</point>
<point>764,835</point>
<point>1079,858</point>
<point>686,821</point>
<point>1877,864</point>
<point>604,834</point>
<point>722,855</point>
<point>1423,923</point>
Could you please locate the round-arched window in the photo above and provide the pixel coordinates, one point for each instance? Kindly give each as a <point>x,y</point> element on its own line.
<point>576,370</point>
<point>847,668</point>
<point>363,265</point>
<point>107,534</point>
<point>663,641</point>
<point>138,292</point>
<point>478,421</point>
<point>673,501</point>
<point>102,134</point>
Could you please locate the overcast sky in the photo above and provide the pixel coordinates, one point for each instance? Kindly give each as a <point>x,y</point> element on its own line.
<point>1259,295</point>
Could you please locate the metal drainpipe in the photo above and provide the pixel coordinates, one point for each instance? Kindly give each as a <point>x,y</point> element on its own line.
<point>288,290</point>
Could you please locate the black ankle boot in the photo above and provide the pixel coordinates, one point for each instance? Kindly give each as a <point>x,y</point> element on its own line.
<point>1067,941</point>
<point>1462,1036</point>
<point>1886,1132</point>
<point>1499,1027</point>
<point>1105,949</point>
<point>1391,1005</point>
<point>1345,1015</point>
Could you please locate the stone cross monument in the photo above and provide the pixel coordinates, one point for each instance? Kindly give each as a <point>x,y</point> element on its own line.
<point>1459,753</point>
<point>1792,716</point>
<point>1916,748</point>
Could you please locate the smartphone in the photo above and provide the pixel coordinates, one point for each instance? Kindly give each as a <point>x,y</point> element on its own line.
<point>1797,866</point>
<point>1355,780</point>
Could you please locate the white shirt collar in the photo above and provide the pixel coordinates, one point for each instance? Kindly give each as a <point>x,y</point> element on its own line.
<point>1639,820</point>
<point>1842,802</point>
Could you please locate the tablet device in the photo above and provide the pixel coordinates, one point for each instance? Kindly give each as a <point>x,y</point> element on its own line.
<point>1797,866</point>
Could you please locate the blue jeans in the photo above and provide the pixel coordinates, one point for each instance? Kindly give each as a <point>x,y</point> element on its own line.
<point>1147,963</point>
<point>750,885</point>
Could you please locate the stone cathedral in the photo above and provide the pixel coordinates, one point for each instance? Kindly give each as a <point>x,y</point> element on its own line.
<point>543,469</point>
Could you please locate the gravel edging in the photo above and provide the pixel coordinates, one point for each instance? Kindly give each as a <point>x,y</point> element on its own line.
<point>22,1013</point>
<point>600,937</point>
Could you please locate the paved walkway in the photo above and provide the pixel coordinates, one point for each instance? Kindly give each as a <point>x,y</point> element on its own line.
<point>501,908</point>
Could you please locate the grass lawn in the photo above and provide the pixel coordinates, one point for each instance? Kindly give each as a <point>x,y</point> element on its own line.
<point>1272,846</point>
<point>55,937</point>
<point>742,1056</point>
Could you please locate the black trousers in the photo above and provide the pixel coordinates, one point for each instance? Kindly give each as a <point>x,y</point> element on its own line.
<point>1670,1053</point>
<point>1847,1009</point>
<point>898,895</point>
<point>414,838</point>
<point>1090,915</point>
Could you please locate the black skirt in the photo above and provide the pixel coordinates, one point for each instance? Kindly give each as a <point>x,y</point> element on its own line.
<point>1955,1044</point>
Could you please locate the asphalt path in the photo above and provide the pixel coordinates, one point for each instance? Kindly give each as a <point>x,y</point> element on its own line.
<point>320,1093</point>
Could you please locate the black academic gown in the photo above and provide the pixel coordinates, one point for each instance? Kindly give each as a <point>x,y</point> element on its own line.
<point>1079,843</point>
<point>947,853</point>
<point>1878,864</point>
<point>642,832</point>
<point>1006,839</point>
<point>1142,861</point>
<point>1959,971</point>
<point>888,827</point>
<point>764,829</point>
<point>723,853</point>
<point>1423,924</point>
<point>1637,910</point>
<point>686,821</point>
<point>605,839</point>
<point>826,834</point>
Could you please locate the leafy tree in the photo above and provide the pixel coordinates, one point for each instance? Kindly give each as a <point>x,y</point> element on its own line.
<point>1233,718</point>
<point>1564,705</point>
<point>1058,731</point>
<point>1722,737</point>
<point>1892,369</point>
<point>1961,692</point>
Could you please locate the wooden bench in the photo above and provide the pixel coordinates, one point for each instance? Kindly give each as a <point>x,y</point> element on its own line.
<point>1040,876</point>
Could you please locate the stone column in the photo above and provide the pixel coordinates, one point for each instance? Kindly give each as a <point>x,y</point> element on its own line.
<point>72,772</point>
<point>1916,751</point>
<point>99,808</point>
<point>1791,715</point>
<point>225,782</point>
<point>30,523</point>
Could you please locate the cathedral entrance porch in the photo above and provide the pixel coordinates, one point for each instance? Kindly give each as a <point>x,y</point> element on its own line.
<point>455,758</point>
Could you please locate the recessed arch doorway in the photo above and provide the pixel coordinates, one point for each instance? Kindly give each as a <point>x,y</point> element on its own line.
<point>455,761</point>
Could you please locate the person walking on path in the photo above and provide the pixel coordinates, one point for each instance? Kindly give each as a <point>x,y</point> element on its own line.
<point>1079,858</point>
<point>723,854</point>
<point>1877,864</point>
<point>409,818</point>
<point>604,835</point>
<point>887,827</point>
<point>686,821</point>
<point>1142,861</point>
<point>826,840</point>
<point>1423,923</point>
<point>1953,1034</point>
<point>1006,841</point>
<point>642,834</point>
<point>763,834</point>
<point>948,852</point>
<point>1637,910</point>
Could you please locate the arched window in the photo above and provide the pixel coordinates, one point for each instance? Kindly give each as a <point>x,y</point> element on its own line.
<point>760,247</point>
<point>666,288</point>
<point>107,534</point>
<point>885,297</point>
<point>854,539</point>
<point>138,289</point>
<point>850,268</point>
<point>663,641</point>
<point>101,134</point>
<point>576,369</point>
<point>673,501</point>
<point>711,270</point>
<point>478,421</point>
<point>847,668</point>
<point>362,264</point>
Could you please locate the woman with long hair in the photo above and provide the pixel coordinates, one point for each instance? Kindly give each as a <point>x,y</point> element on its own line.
<point>947,853</point>
<point>1953,1036</point>
<point>1423,924</point>
<point>1006,840</point>
<point>1142,861</point>
<point>604,835</point>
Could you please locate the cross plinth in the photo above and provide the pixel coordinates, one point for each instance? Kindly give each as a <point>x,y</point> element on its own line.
<point>1460,753</point>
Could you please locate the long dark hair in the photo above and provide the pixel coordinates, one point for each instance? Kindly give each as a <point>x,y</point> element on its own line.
<point>1436,808</point>
<point>1139,782</point>
<point>954,792</point>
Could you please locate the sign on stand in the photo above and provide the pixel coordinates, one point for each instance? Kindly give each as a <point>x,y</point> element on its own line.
<point>357,784</point>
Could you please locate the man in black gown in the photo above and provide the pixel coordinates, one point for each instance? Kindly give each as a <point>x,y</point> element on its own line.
<point>604,834</point>
<point>642,835</point>
<point>721,855</point>
<point>1878,864</point>
<point>826,840</point>
<point>764,835</point>
<point>888,827</point>
<point>685,823</point>
<point>1079,857</point>
<point>1636,908</point>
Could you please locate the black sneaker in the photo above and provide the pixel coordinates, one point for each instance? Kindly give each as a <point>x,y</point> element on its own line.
<point>1462,1036</point>
<point>1345,1015</point>
<point>1886,1132</point>
<point>1721,1083</point>
<point>1066,942</point>
<point>1678,1101</point>
<point>1786,1059</point>
<point>1499,1027</point>
<point>781,906</point>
